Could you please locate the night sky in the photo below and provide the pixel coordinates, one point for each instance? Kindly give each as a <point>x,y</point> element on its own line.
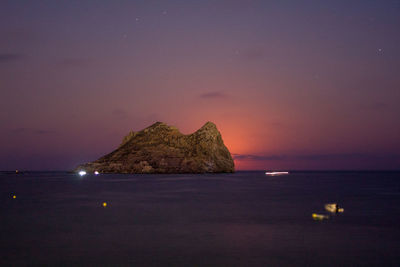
<point>290,84</point>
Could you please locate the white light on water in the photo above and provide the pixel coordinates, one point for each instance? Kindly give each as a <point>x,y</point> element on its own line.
<point>82,173</point>
<point>96,172</point>
<point>276,173</point>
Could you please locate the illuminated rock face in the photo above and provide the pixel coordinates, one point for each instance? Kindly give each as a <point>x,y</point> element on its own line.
<point>163,149</point>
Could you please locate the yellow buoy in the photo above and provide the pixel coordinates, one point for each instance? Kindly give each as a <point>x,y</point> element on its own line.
<point>104,204</point>
<point>319,217</point>
<point>14,196</point>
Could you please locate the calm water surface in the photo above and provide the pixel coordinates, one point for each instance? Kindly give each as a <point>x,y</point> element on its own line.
<point>241,219</point>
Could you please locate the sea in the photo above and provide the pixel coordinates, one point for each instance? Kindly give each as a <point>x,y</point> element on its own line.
<point>242,219</point>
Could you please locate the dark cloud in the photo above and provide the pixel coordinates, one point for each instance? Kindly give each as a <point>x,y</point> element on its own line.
<point>9,57</point>
<point>20,36</point>
<point>214,94</point>
<point>44,132</point>
<point>314,157</point>
<point>255,53</point>
<point>258,157</point>
<point>75,62</point>
<point>19,130</point>
<point>330,156</point>
<point>32,131</point>
<point>121,114</point>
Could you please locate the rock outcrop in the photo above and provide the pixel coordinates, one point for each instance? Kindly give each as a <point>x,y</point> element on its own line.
<point>163,149</point>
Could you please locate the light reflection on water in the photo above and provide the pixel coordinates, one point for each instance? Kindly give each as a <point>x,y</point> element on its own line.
<point>241,219</point>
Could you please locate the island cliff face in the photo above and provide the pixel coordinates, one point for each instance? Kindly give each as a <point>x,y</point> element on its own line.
<point>163,149</point>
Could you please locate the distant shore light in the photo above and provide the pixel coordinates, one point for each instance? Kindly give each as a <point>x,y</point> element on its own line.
<point>82,173</point>
<point>96,172</point>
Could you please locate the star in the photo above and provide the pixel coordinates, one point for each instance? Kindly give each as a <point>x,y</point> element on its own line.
<point>137,19</point>
<point>165,12</point>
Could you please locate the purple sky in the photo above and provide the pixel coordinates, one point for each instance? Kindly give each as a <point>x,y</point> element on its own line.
<point>290,84</point>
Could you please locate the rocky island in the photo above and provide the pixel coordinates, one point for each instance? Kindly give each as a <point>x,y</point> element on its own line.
<point>160,148</point>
